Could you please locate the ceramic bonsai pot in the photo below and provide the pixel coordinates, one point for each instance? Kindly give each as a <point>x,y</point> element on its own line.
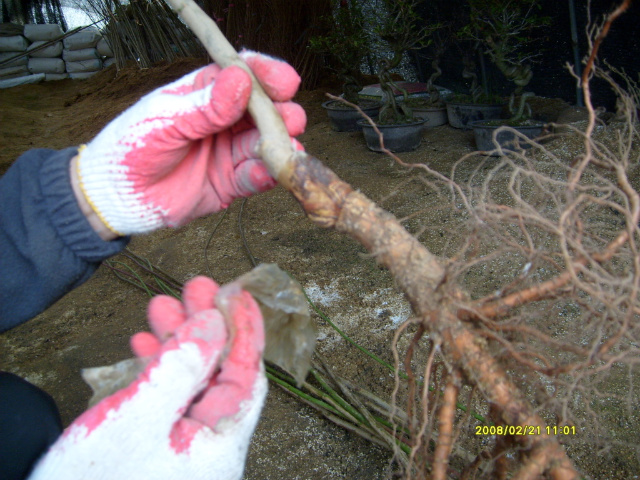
<point>397,138</point>
<point>434,117</point>
<point>461,114</point>
<point>483,132</point>
<point>344,118</point>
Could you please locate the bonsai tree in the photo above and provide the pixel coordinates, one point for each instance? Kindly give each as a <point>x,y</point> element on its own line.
<point>439,47</point>
<point>403,31</point>
<point>346,43</point>
<point>440,36</point>
<point>504,28</point>
<point>469,72</point>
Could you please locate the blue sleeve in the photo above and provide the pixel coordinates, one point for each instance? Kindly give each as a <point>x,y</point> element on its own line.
<point>47,247</point>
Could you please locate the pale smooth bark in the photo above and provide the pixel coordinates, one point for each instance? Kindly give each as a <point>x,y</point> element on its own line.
<point>275,146</point>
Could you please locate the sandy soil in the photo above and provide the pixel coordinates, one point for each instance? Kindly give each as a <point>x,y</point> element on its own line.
<point>91,325</point>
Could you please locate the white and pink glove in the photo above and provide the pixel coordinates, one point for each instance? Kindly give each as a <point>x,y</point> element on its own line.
<point>191,413</point>
<point>185,150</point>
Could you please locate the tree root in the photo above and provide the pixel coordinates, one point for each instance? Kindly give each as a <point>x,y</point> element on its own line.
<point>330,202</point>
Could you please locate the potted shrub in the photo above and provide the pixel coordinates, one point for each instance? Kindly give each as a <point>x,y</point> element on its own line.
<point>346,43</point>
<point>432,107</point>
<point>401,31</point>
<point>504,28</point>
<point>463,109</point>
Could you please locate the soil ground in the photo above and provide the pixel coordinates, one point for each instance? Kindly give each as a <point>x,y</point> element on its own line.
<point>91,325</point>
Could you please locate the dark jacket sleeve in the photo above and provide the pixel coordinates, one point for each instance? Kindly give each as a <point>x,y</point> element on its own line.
<point>47,247</point>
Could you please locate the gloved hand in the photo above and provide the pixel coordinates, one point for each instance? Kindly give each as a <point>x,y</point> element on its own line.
<point>184,150</point>
<point>182,418</point>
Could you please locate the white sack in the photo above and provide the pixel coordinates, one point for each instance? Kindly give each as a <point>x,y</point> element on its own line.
<point>79,55</point>
<point>84,66</point>
<point>46,65</point>
<point>104,49</point>
<point>45,32</point>
<point>108,62</point>
<point>16,71</point>
<point>52,51</point>
<point>14,63</point>
<point>16,43</point>
<point>81,75</point>
<point>55,76</point>
<point>87,38</point>
<point>14,82</point>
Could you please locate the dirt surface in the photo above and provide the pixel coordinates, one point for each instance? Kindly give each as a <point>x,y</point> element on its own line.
<point>91,325</point>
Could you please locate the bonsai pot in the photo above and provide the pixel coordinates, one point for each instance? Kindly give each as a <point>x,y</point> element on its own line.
<point>461,114</point>
<point>397,137</point>
<point>344,118</point>
<point>483,132</point>
<point>434,117</point>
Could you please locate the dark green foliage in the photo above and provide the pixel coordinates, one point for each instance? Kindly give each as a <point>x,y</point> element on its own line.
<point>403,30</point>
<point>504,29</point>
<point>346,42</point>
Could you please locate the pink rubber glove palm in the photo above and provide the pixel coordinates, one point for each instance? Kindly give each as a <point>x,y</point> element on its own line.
<point>182,418</point>
<point>185,150</point>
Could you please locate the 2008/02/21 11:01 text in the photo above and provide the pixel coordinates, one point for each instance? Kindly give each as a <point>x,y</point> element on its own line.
<point>524,430</point>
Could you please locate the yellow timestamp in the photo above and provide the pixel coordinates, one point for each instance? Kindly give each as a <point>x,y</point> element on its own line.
<point>524,430</point>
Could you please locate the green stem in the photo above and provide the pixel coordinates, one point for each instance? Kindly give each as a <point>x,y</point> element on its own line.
<point>352,411</point>
<point>174,290</point>
<point>299,393</point>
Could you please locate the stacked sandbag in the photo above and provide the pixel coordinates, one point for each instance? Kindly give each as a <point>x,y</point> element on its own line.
<point>80,55</point>
<point>13,61</point>
<point>104,49</point>
<point>44,53</point>
<point>45,49</point>
<point>34,52</point>
<point>42,32</point>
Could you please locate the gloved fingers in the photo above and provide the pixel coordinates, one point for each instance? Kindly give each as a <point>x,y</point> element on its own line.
<point>207,329</point>
<point>239,308</point>
<point>168,117</point>
<point>145,344</point>
<point>185,363</point>
<point>252,176</point>
<point>244,146</point>
<point>279,79</point>
<point>196,80</point>
<point>234,390</point>
<point>211,109</point>
<point>293,115</point>
<point>222,95</point>
<point>161,394</point>
<point>182,368</point>
<point>165,314</point>
<point>199,294</point>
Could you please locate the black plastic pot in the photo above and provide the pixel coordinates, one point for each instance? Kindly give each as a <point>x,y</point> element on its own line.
<point>344,119</point>
<point>485,130</point>
<point>397,138</point>
<point>461,114</point>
